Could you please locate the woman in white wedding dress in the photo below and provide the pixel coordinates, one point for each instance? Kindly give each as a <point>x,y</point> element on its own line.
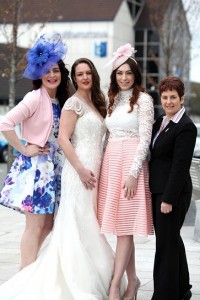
<point>77,264</point>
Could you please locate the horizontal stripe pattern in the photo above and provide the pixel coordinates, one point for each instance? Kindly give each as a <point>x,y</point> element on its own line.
<point>116,214</point>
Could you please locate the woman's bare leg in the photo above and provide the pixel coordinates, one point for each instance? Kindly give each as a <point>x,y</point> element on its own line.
<point>36,230</point>
<point>124,250</point>
<point>131,275</point>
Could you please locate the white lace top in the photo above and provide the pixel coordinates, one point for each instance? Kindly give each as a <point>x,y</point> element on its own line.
<point>137,124</point>
<point>88,133</point>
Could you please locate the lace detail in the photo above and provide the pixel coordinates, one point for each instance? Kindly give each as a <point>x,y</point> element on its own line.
<point>138,124</point>
<point>75,105</point>
<point>145,119</point>
<point>89,130</point>
<point>119,134</point>
<point>123,97</point>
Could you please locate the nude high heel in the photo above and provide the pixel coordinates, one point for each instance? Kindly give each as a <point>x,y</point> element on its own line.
<point>138,283</point>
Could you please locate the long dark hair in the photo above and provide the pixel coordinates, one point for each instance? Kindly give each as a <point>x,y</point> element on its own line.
<point>63,90</point>
<point>137,85</point>
<point>98,97</point>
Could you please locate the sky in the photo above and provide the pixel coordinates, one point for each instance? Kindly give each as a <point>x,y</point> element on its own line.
<point>195,58</point>
<point>193,7</point>
<point>195,64</point>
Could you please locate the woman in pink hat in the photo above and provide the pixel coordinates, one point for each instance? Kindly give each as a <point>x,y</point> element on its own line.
<point>124,203</point>
<point>32,185</point>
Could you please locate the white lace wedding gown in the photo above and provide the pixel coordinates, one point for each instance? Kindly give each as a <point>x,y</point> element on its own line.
<point>77,264</point>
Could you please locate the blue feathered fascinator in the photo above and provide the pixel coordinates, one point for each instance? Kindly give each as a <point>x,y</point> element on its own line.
<point>46,52</point>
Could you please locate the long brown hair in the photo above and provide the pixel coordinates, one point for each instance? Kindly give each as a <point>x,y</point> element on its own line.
<point>137,86</point>
<point>98,98</point>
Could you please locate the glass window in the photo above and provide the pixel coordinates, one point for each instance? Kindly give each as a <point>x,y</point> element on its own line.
<point>140,63</point>
<point>152,66</point>
<point>152,82</point>
<point>153,51</point>
<point>139,52</point>
<point>152,36</point>
<point>139,35</point>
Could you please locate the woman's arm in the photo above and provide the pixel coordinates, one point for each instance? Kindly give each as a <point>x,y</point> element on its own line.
<point>145,119</point>
<point>23,110</point>
<point>14,141</point>
<point>181,161</point>
<point>15,116</point>
<point>67,124</point>
<point>27,150</point>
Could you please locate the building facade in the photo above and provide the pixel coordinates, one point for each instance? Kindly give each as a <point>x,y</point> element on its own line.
<point>95,29</point>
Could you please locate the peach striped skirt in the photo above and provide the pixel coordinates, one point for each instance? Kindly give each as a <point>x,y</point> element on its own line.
<point>116,214</point>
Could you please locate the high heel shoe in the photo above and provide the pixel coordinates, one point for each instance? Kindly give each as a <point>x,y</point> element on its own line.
<point>138,283</point>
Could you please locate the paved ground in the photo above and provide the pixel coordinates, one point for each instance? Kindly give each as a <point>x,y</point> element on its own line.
<point>11,227</point>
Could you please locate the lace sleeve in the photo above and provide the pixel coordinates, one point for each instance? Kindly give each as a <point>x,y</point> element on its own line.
<point>74,104</point>
<point>145,119</point>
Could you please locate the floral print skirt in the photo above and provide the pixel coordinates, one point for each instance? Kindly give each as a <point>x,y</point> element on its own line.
<point>33,183</point>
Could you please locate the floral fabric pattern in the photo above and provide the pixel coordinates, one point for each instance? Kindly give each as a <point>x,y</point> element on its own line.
<point>33,183</point>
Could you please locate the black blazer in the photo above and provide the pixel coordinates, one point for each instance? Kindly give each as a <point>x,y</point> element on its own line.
<point>171,158</point>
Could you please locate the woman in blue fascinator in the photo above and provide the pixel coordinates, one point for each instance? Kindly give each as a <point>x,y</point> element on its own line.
<point>32,185</point>
<point>78,262</point>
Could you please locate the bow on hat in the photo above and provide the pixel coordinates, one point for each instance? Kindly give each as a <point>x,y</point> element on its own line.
<point>121,55</point>
<point>125,50</point>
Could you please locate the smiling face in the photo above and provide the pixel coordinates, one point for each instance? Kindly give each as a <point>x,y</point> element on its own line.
<point>171,102</point>
<point>52,80</point>
<point>83,77</point>
<point>125,77</point>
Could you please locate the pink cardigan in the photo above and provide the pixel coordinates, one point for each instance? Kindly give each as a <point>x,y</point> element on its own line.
<point>36,115</point>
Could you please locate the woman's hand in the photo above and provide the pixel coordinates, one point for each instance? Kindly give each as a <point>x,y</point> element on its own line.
<point>165,208</point>
<point>33,150</point>
<point>130,187</point>
<point>88,178</point>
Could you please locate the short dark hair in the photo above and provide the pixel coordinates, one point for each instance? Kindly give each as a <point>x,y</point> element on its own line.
<point>172,83</point>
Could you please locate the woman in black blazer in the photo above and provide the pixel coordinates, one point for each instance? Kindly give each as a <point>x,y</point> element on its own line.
<point>172,146</point>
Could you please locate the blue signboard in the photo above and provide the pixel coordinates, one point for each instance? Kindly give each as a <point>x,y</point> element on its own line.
<point>100,49</point>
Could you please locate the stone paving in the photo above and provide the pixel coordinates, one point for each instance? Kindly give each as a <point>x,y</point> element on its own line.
<point>12,224</point>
